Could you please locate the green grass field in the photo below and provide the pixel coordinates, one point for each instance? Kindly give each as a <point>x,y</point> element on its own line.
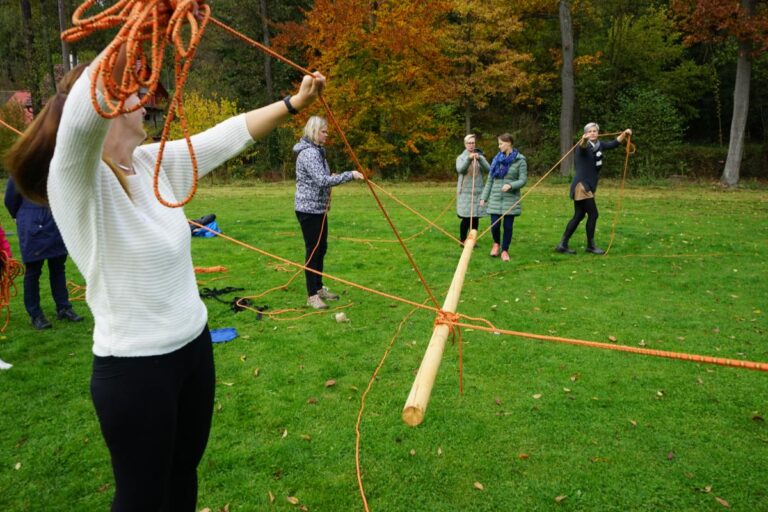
<point>540,426</point>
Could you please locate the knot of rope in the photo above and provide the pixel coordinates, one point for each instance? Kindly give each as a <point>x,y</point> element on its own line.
<point>144,22</point>
<point>447,318</point>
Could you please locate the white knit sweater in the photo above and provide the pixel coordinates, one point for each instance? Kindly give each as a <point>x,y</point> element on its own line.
<point>134,253</point>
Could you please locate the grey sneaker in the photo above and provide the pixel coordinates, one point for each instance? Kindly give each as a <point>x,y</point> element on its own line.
<point>326,294</point>
<point>316,302</point>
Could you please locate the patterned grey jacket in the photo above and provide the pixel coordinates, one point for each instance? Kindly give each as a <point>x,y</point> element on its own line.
<point>313,178</point>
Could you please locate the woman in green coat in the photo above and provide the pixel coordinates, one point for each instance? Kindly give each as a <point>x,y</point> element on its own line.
<point>470,166</point>
<point>509,173</point>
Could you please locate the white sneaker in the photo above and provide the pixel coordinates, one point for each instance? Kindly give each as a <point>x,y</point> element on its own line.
<point>326,294</point>
<point>316,302</point>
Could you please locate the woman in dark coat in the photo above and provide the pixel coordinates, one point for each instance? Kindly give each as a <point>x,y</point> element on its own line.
<point>588,160</point>
<point>40,240</point>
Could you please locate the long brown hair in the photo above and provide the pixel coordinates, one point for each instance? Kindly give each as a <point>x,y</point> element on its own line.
<point>30,156</point>
<point>29,159</point>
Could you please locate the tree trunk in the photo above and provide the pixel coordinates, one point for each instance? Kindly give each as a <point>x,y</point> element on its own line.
<point>62,27</point>
<point>267,58</point>
<point>567,82</point>
<point>47,46</point>
<point>730,177</point>
<point>32,75</point>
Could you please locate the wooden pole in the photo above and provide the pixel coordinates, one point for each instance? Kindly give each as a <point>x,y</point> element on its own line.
<point>416,405</point>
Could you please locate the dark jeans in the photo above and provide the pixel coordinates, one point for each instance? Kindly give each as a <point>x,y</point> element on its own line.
<point>464,226</point>
<point>508,222</point>
<point>314,227</point>
<point>57,278</point>
<point>155,415</point>
<point>585,207</point>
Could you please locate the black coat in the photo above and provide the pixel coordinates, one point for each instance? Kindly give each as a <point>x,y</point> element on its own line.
<point>39,237</point>
<point>587,167</point>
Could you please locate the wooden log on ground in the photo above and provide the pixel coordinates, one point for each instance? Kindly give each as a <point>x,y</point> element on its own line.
<point>416,405</point>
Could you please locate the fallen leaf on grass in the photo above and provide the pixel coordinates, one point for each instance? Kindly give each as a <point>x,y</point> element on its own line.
<point>225,508</point>
<point>103,487</point>
<point>271,497</point>
<point>256,372</point>
<point>439,451</point>
<point>670,455</point>
<point>523,456</point>
<point>311,400</point>
<point>479,486</point>
<point>757,418</point>
<point>285,433</point>
<point>567,390</point>
<point>17,466</point>
<point>497,400</point>
<point>633,422</point>
<point>559,499</point>
<point>599,459</point>
<point>613,339</point>
<point>306,437</point>
<point>330,383</point>
<point>230,384</point>
<point>537,396</point>
<point>293,500</point>
<point>723,502</point>
<point>243,358</point>
<point>412,452</point>
<point>574,377</point>
<point>206,509</point>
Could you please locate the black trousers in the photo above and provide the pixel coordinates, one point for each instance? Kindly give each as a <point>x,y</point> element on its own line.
<point>155,414</point>
<point>464,226</point>
<point>585,207</point>
<point>314,227</point>
<point>57,279</point>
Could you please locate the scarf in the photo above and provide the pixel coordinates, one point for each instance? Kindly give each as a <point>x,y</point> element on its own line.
<point>501,163</point>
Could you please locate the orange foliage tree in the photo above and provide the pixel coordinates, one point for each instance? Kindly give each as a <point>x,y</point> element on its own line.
<point>486,64</point>
<point>386,73</point>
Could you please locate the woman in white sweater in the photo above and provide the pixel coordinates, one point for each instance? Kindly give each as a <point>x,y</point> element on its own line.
<point>153,375</point>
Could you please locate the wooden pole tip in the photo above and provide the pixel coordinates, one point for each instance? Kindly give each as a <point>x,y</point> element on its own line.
<point>413,416</point>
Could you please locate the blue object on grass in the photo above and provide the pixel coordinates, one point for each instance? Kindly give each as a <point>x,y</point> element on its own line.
<point>223,335</point>
<point>204,233</point>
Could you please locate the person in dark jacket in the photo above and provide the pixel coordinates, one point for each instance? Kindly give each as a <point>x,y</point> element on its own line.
<point>588,160</point>
<point>313,192</point>
<point>40,240</point>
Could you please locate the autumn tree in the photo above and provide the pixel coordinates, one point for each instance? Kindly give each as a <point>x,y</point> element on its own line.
<point>485,64</point>
<point>746,21</point>
<point>387,74</point>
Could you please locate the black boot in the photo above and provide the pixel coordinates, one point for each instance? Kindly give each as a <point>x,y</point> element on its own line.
<point>562,247</point>
<point>591,247</point>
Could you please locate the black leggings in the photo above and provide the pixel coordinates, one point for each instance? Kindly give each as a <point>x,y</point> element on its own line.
<point>155,415</point>
<point>464,226</point>
<point>580,209</point>
<point>314,226</point>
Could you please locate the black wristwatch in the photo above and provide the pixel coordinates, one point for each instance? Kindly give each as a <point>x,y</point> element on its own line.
<point>291,110</point>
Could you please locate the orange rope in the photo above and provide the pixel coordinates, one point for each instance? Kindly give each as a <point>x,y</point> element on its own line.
<point>430,224</point>
<point>489,327</point>
<point>10,269</point>
<point>529,191</point>
<point>347,146</point>
<point>374,376</point>
<point>17,132</point>
<point>629,151</point>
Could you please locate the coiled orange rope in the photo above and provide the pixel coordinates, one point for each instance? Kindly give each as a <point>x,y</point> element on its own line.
<point>157,22</point>
<point>10,269</point>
